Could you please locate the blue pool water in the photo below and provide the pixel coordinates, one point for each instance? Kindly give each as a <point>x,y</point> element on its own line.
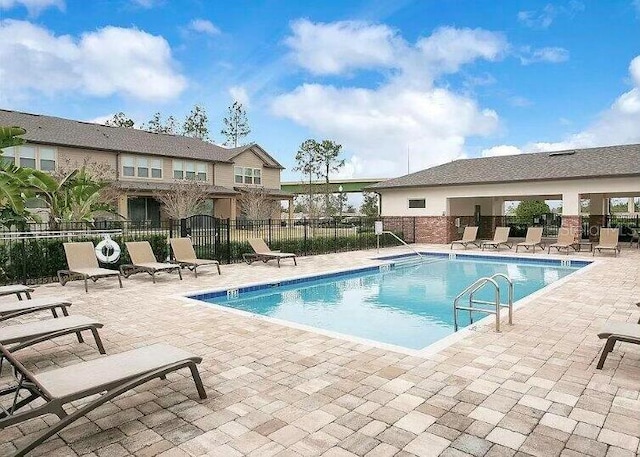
<point>409,306</point>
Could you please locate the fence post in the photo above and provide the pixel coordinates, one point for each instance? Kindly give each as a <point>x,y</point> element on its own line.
<point>335,234</point>
<point>24,262</point>
<point>304,241</point>
<point>228,230</point>
<point>269,230</point>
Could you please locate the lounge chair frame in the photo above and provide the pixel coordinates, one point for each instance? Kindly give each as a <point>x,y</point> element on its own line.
<point>608,232</point>
<point>90,270</point>
<point>530,240</point>
<point>495,243</point>
<point>190,262</point>
<point>265,253</point>
<point>470,236</point>
<point>28,383</point>
<point>151,266</point>
<point>565,241</point>
<point>38,337</point>
<point>613,338</point>
<point>19,308</point>
<point>17,289</point>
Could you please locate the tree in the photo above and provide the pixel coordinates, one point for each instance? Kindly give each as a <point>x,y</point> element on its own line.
<point>195,124</point>
<point>255,203</point>
<point>120,120</point>
<point>101,172</point>
<point>236,125</point>
<point>74,198</point>
<point>341,200</point>
<point>308,164</point>
<point>156,125</point>
<point>369,205</point>
<point>327,154</point>
<point>527,210</point>
<point>183,198</point>
<point>13,181</point>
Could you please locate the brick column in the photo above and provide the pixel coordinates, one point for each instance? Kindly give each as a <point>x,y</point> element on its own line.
<point>596,222</point>
<point>435,229</point>
<point>573,223</point>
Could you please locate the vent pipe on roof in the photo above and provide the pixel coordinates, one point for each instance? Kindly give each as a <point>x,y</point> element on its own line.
<point>562,153</point>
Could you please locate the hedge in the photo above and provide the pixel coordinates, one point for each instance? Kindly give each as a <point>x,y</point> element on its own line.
<point>41,258</point>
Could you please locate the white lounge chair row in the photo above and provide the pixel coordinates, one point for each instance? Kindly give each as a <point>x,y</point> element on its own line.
<point>566,239</point>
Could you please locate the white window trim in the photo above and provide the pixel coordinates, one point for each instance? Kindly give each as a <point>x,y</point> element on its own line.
<point>253,170</point>
<point>37,158</point>
<point>183,168</point>
<point>135,167</point>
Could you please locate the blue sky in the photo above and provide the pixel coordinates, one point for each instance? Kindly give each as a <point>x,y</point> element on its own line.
<point>437,80</point>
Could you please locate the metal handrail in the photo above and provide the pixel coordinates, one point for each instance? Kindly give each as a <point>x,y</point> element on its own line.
<point>476,286</point>
<point>402,241</point>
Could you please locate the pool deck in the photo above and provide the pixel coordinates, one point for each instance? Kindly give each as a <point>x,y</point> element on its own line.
<point>278,390</point>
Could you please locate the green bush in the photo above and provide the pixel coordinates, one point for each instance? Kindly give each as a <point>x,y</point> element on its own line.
<point>39,259</point>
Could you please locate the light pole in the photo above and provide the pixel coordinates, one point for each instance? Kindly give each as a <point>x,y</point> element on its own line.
<point>340,189</point>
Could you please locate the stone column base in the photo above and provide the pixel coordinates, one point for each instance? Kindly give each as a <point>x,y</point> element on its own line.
<point>435,229</point>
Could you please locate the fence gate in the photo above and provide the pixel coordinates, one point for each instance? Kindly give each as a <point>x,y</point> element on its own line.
<point>208,235</point>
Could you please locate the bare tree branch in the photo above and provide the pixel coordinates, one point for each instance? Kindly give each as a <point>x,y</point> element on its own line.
<point>184,198</point>
<point>255,203</point>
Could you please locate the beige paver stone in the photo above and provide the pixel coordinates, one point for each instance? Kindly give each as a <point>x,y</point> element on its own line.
<point>486,415</point>
<point>506,438</point>
<point>535,402</point>
<point>314,421</point>
<point>288,435</point>
<point>589,417</point>
<point>560,422</point>
<point>619,439</point>
<point>415,422</point>
<point>427,444</point>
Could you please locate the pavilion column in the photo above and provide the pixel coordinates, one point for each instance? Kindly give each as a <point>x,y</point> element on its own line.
<point>123,208</point>
<point>290,209</point>
<point>597,210</point>
<point>571,212</point>
<point>233,203</point>
<point>631,205</point>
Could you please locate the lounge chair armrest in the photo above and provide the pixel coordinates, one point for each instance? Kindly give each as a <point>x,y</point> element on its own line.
<point>32,310</point>
<point>49,336</point>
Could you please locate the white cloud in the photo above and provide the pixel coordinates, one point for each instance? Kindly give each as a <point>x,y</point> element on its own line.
<point>105,62</point>
<point>239,94</point>
<point>406,111</point>
<point>34,7</point>
<point>548,54</point>
<point>538,19</point>
<point>616,125</point>
<point>145,3</point>
<point>204,26</point>
<point>333,48</point>
<point>502,150</point>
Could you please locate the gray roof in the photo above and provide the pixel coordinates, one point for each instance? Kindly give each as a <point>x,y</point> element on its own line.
<point>66,132</point>
<point>607,161</point>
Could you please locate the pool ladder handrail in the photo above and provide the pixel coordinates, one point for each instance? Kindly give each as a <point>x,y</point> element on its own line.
<point>402,241</point>
<point>476,286</point>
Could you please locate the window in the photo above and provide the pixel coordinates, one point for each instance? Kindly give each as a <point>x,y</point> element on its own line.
<point>47,159</point>
<point>141,167</point>
<point>29,156</point>
<point>156,168</point>
<point>189,169</point>
<point>245,175</point>
<point>417,203</point>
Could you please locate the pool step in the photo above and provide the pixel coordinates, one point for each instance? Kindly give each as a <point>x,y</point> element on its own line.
<point>494,306</point>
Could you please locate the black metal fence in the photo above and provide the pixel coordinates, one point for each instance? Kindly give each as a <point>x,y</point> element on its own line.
<point>34,253</point>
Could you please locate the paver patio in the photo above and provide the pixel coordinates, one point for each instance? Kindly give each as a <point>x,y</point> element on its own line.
<point>275,390</point>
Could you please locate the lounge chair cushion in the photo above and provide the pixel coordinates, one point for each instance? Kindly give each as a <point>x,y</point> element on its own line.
<point>198,262</point>
<point>21,332</point>
<point>14,289</point>
<point>89,272</point>
<point>157,266</point>
<point>620,328</point>
<point>100,374</point>
<point>43,302</point>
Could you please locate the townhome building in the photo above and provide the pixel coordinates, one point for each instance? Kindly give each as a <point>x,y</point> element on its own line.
<point>144,163</point>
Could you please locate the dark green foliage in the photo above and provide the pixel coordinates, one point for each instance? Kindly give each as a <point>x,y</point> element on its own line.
<point>40,259</point>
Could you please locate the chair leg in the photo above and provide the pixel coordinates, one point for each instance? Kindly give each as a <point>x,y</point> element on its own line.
<point>80,339</point>
<point>96,337</point>
<point>86,286</point>
<point>195,271</point>
<point>278,259</point>
<point>218,267</point>
<point>55,314</point>
<point>198,381</point>
<point>608,347</point>
<point>180,274</point>
<point>120,280</point>
<point>65,312</point>
<point>153,276</point>
<point>294,262</point>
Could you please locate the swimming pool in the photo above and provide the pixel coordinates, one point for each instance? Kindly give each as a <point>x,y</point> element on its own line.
<point>408,305</point>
